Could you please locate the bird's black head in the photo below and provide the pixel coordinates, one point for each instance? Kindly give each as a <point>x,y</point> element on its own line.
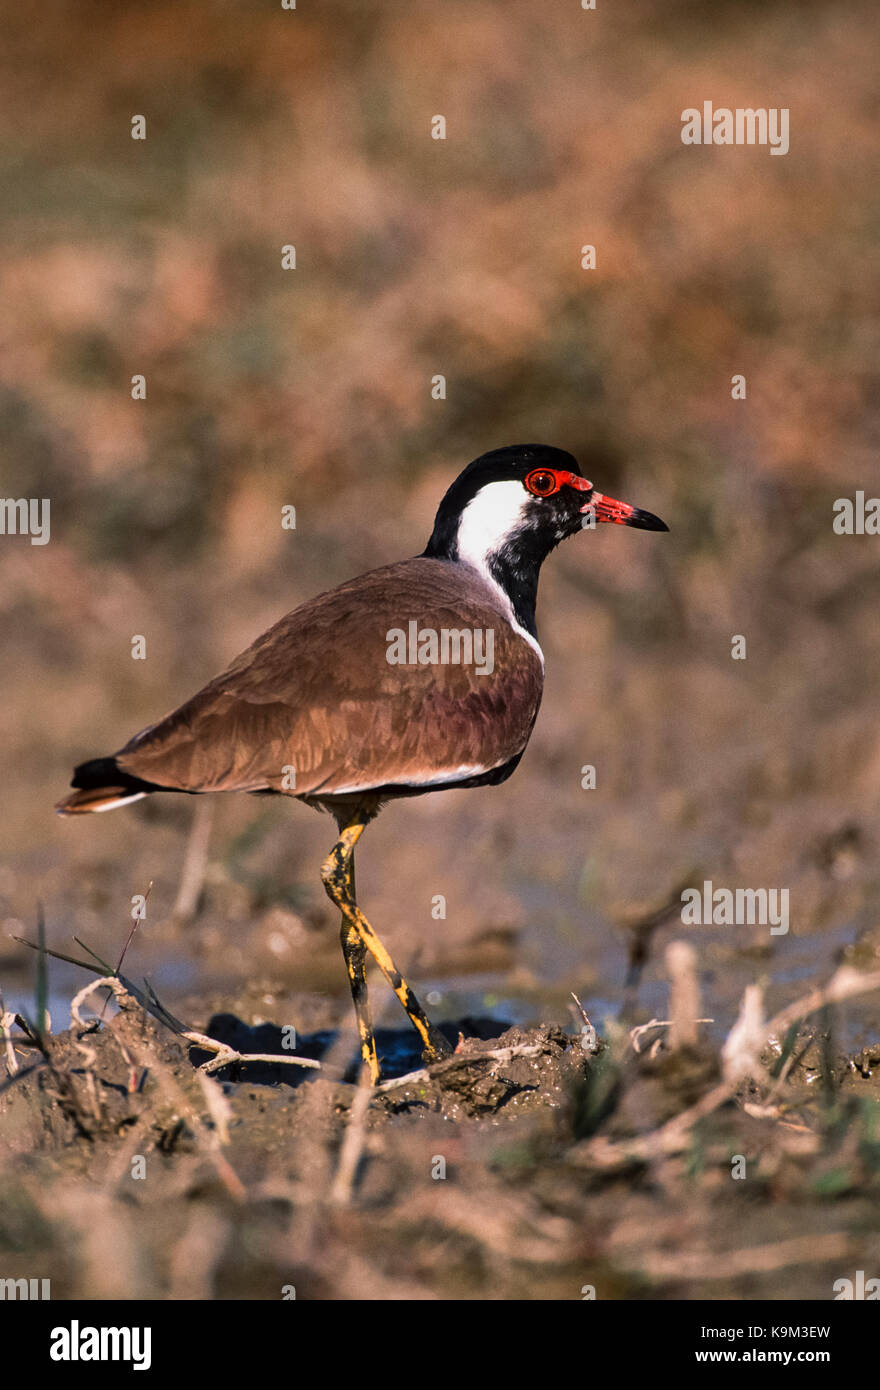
<point>509,508</point>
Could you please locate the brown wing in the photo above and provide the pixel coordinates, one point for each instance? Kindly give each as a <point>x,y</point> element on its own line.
<point>317,693</point>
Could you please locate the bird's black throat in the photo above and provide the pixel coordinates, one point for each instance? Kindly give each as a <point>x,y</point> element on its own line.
<point>514,566</point>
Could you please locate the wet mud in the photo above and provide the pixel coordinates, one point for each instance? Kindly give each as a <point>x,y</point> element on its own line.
<point>533,1163</point>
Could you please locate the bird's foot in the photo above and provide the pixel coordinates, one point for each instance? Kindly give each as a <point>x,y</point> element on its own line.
<point>436,1048</point>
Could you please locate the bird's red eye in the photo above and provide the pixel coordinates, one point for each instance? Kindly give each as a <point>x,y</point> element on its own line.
<point>542,482</point>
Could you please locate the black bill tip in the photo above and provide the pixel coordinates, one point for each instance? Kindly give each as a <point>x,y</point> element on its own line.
<point>645,521</point>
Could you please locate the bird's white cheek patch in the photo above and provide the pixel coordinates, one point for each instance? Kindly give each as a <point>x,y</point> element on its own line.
<point>495,515</point>
<point>489,519</point>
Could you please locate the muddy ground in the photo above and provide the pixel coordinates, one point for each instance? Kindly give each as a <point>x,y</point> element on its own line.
<point>532,1164</point>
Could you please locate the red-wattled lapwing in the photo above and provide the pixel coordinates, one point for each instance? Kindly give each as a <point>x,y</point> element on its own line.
<point>418,677</point>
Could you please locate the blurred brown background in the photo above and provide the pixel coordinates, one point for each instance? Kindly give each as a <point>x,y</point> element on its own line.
<point>312,387</point>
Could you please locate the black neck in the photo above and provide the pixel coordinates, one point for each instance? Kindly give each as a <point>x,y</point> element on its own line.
<point>518,577</point>
<point>515,566</point>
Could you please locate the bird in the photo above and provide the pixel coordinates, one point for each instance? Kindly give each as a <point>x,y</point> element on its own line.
<point>424,675</point>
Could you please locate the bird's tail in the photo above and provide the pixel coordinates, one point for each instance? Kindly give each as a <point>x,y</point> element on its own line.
<point>102,786</point>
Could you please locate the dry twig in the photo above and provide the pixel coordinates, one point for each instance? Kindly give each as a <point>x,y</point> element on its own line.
<point>674,1136</point>
<point>497,1054</point>
<point>352,1143</point>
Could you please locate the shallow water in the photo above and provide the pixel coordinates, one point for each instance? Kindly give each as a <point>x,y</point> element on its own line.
<point>795,964</point>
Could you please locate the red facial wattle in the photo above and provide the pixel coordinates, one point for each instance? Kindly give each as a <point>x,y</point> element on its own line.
<point>546,482</point>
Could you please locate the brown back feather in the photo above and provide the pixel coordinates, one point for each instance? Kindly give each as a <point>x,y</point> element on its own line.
<point>316,692</point>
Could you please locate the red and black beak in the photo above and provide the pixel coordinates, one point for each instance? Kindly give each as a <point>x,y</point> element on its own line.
<point>603,508</point>
<point>622,514</point>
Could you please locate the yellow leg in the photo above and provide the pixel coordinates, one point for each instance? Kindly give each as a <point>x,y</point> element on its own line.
<point>355,952</point>
<point>336,871</point>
